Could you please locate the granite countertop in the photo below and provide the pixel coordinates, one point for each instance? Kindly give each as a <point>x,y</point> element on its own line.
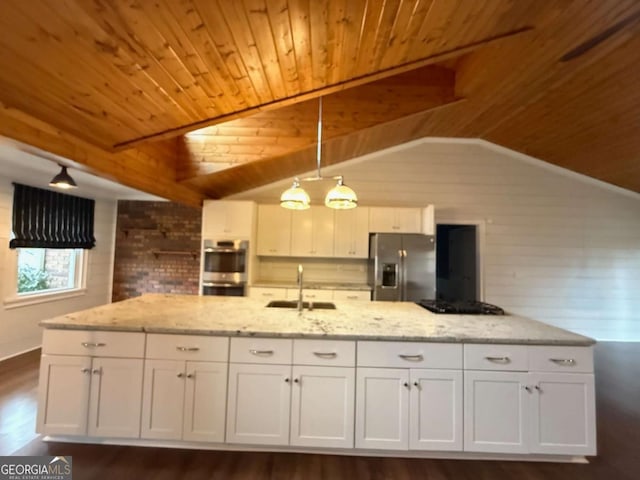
<point>240,316</point>
<point>315,285</point>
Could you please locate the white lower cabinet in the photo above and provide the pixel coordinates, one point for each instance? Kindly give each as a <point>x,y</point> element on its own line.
<point>322,406</point>
<point>409,409</point>
<point>259,404</point>
<point>90,396</point>
<point>415,407</point>
<point>495,418</point>
<point>544,412</point>
<point>184,400</point>
<point>309,402</point>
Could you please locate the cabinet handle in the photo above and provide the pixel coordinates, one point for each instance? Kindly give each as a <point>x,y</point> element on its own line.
<point>180,375</point>
<point>537,387</point>
<point>310,296</point>
<point>412,358</point>
<point>287,379</point>
<point>191,375</point>
<point>406,384</point>
<point>352,297</point>
<point>527,388</point>
<point>567,362</point>
<point>92,345</point>
<point>296,380</point>
<point>325,354</point>
<point>416,384</point>
<point>97,371</point>
<point>85,370</point>
<point>265,353</point>
<point>188,349</point>
<point>499,359</point>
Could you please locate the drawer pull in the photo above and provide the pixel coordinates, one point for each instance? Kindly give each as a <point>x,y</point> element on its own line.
<point>499,359</point>
<point>352,297</point>
<point>97,371</point>
<point>92,345</point>
<point>325,354</point>
<point>188,349</point>
<point>85,370</point>
<point>412,358</point>
<point>263,353</point>
<point>567,362</point>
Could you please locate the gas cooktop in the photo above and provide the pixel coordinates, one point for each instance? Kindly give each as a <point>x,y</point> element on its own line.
<point>469,307</point>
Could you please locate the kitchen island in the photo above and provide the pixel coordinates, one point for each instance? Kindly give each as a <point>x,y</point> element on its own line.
<point>372,378</point>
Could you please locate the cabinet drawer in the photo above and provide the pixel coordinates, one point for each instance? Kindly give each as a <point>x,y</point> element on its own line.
<point>341,353</point>
<point>496,357</point>
<point>561,359</point>
<point>261,350</point>
<point>93,343</point>
<point>350,295</point>
<point>268,293</point>
<point>409,355</point>
<point>187,347</point>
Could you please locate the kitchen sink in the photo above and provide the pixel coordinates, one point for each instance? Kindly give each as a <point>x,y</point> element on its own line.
<point>306,305</point>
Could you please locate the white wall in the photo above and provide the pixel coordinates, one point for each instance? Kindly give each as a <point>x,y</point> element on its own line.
<point>19,329</point>
<point>559,247</point>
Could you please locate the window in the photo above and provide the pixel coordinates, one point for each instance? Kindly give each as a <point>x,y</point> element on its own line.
<point>48,270</point>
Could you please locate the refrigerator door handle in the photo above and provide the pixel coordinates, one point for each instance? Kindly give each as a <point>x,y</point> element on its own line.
<point>404,275</point>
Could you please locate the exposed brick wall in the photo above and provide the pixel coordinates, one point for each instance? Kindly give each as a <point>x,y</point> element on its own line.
<point>145,227</point>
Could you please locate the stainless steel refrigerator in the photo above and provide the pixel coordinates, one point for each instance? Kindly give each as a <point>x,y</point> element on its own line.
<point>402,267</point>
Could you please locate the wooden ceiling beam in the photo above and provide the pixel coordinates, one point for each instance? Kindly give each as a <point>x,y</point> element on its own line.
<point>355,82</point>
<point>281,132</point>
<point>149,170</point>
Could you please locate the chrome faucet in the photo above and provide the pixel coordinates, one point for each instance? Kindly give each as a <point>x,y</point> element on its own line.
<point>300,303</point>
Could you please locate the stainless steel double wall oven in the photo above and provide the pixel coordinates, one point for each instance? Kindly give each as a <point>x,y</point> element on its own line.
<point>225,267</point>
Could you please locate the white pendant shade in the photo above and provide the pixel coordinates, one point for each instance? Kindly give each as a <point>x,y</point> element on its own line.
<point>341,197</point>
<point>295,198</point>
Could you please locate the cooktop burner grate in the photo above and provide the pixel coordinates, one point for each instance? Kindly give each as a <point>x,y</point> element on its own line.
<point>468,307</point>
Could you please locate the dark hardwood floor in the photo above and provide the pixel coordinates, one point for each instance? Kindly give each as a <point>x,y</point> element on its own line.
<point>618,407</point>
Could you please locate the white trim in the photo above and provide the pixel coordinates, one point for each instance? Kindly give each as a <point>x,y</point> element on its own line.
<point>17,354</point>
<point>34,299</point>
<point>480,247</point>
<point>357,452</point>
<point>112,253</point>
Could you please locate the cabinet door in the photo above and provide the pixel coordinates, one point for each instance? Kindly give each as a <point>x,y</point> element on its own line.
<point>274,230</point>
<point>322,406</point>
<point>435,410</point>
<point>408,220</point>
<point>495,412</point>
<point>63,395</point>
<point>563,419</point>
<point>382,408</point>
<point>116,397</point>
<point>163,399</point>
<point>351,235</point>
<point>382,219</point>
<point>259,404</point>
<point>312,232</point>
<point>205,401</point>
<point>227,219</point>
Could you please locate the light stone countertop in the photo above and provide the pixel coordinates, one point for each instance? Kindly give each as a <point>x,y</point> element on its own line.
<point>241,316</point>
<point>315,285</point>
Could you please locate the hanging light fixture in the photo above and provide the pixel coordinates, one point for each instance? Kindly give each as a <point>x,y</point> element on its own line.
<point>339,197</point>
<point>63,180</point>
<point>295,198</point>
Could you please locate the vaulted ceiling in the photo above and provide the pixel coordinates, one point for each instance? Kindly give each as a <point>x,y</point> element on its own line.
<point>193,99</point>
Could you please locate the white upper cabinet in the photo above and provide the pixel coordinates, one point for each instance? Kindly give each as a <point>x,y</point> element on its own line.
<point>395,220</point>
<point>351,236</point>
<point>428,220</point>
<point>274,230</point>
<point>228,219</point>
<point>312,232</point>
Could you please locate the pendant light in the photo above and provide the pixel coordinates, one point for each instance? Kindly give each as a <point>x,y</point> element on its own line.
<point>339,197</point>
<point>295,198</point>
<point>63,180</point>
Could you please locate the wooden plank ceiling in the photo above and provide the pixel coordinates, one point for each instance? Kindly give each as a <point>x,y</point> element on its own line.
<point>189,99</point>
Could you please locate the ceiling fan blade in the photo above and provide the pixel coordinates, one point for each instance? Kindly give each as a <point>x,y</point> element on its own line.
<point>601,37</point>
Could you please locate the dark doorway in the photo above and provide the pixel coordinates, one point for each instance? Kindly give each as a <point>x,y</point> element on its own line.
<point>456,262</point>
